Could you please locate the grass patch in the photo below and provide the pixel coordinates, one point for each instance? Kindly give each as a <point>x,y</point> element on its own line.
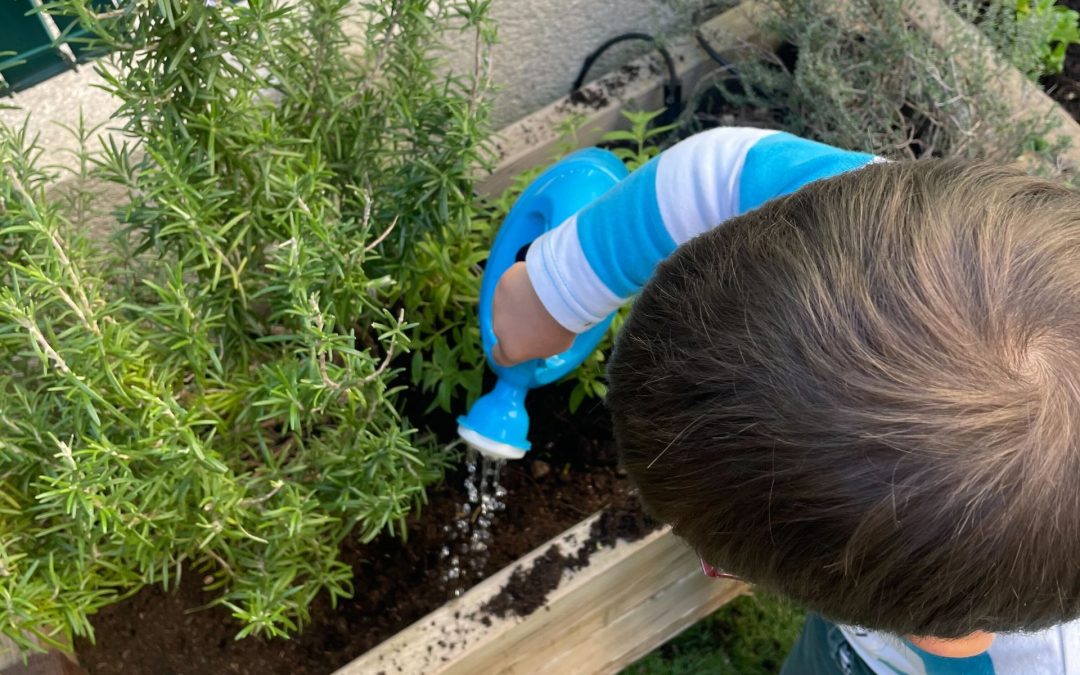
<point>751,635</point>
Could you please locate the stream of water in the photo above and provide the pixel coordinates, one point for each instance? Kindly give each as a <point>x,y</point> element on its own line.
<point>466,551</point>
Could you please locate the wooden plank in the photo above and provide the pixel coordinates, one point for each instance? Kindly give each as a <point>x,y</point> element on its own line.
<point>598,619</point>
<point>643,627</point>
<point>626,601</point>
<point>534,140</point>
<point>663,616</point>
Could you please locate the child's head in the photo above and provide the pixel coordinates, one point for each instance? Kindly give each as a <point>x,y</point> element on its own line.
<point>866,396</point>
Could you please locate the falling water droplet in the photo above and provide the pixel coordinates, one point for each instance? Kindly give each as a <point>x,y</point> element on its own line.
<point>471,531</point>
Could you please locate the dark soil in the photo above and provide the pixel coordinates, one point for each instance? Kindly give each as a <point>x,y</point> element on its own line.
<point>1065,88</point>
<point>396,583</point>
<point>528,589</point>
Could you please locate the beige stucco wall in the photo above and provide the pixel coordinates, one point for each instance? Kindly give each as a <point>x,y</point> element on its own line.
<point>57,102</point>
<point>541,46</point>
<point>543,42</point>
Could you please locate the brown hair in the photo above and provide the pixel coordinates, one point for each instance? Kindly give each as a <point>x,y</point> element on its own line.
<point>866,396</point>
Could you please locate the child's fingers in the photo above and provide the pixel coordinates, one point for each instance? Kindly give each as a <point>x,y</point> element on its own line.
<point>523,327</point>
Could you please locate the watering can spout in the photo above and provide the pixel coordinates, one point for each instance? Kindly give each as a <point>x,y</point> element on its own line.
<point>497,424</point>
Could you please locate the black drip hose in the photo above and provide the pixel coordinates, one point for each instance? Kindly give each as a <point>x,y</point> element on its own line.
<point>673,104</point>
<point>625,37</point>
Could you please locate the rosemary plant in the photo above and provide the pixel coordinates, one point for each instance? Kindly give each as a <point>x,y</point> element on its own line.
<point>210,377</point>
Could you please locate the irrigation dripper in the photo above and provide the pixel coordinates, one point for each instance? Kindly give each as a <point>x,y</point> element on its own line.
<point>497,425</point>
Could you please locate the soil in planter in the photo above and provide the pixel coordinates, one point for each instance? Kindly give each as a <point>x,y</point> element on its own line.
<point>527,589</point>
<point>571,474</point>
<point>1065,87</point>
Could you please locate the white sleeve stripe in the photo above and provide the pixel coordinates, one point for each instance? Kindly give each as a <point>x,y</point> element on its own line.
<point>565,282</point>
<point>697,180</point>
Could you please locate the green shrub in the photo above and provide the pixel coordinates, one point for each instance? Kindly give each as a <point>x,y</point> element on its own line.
<point>866,79</point>
<point>751,635</point>
<point>210,377</point>
<point>1032,34</point>
<point>1060,30</point>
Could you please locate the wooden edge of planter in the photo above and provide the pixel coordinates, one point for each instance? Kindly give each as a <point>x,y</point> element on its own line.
<point>534,140</point>
<point>625,601</point>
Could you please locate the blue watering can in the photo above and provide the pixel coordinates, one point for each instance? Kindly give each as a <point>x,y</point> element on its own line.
<point>498,424</point>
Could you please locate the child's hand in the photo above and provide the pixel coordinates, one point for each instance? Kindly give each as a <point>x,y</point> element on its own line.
<point>523,327</point>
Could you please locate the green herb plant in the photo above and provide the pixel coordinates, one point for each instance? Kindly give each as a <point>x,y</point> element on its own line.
<point>1056,28</point>
<point>1033,35</point>
<point>205,370</point>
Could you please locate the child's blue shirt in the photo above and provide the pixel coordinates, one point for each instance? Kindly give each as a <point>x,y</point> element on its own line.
<point>1054,651</point>
<point>595,261</point>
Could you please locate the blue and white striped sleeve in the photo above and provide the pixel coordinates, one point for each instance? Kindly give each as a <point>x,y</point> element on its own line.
<point>595,261</point>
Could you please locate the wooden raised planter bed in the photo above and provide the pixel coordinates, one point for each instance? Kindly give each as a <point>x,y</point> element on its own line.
<point>631,597</point>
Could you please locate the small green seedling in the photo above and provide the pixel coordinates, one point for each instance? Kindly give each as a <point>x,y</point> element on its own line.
<point>1060,26</point>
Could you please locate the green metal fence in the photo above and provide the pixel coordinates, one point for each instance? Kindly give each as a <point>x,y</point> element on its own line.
<point>35,46</point>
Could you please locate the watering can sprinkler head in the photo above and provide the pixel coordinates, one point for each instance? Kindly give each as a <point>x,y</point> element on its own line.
<point>497,425</point>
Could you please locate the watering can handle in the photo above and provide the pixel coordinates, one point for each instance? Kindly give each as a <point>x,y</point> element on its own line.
<point>562,190</point>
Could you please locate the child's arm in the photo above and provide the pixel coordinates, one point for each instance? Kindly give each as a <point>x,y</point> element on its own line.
<point>594,262</point>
